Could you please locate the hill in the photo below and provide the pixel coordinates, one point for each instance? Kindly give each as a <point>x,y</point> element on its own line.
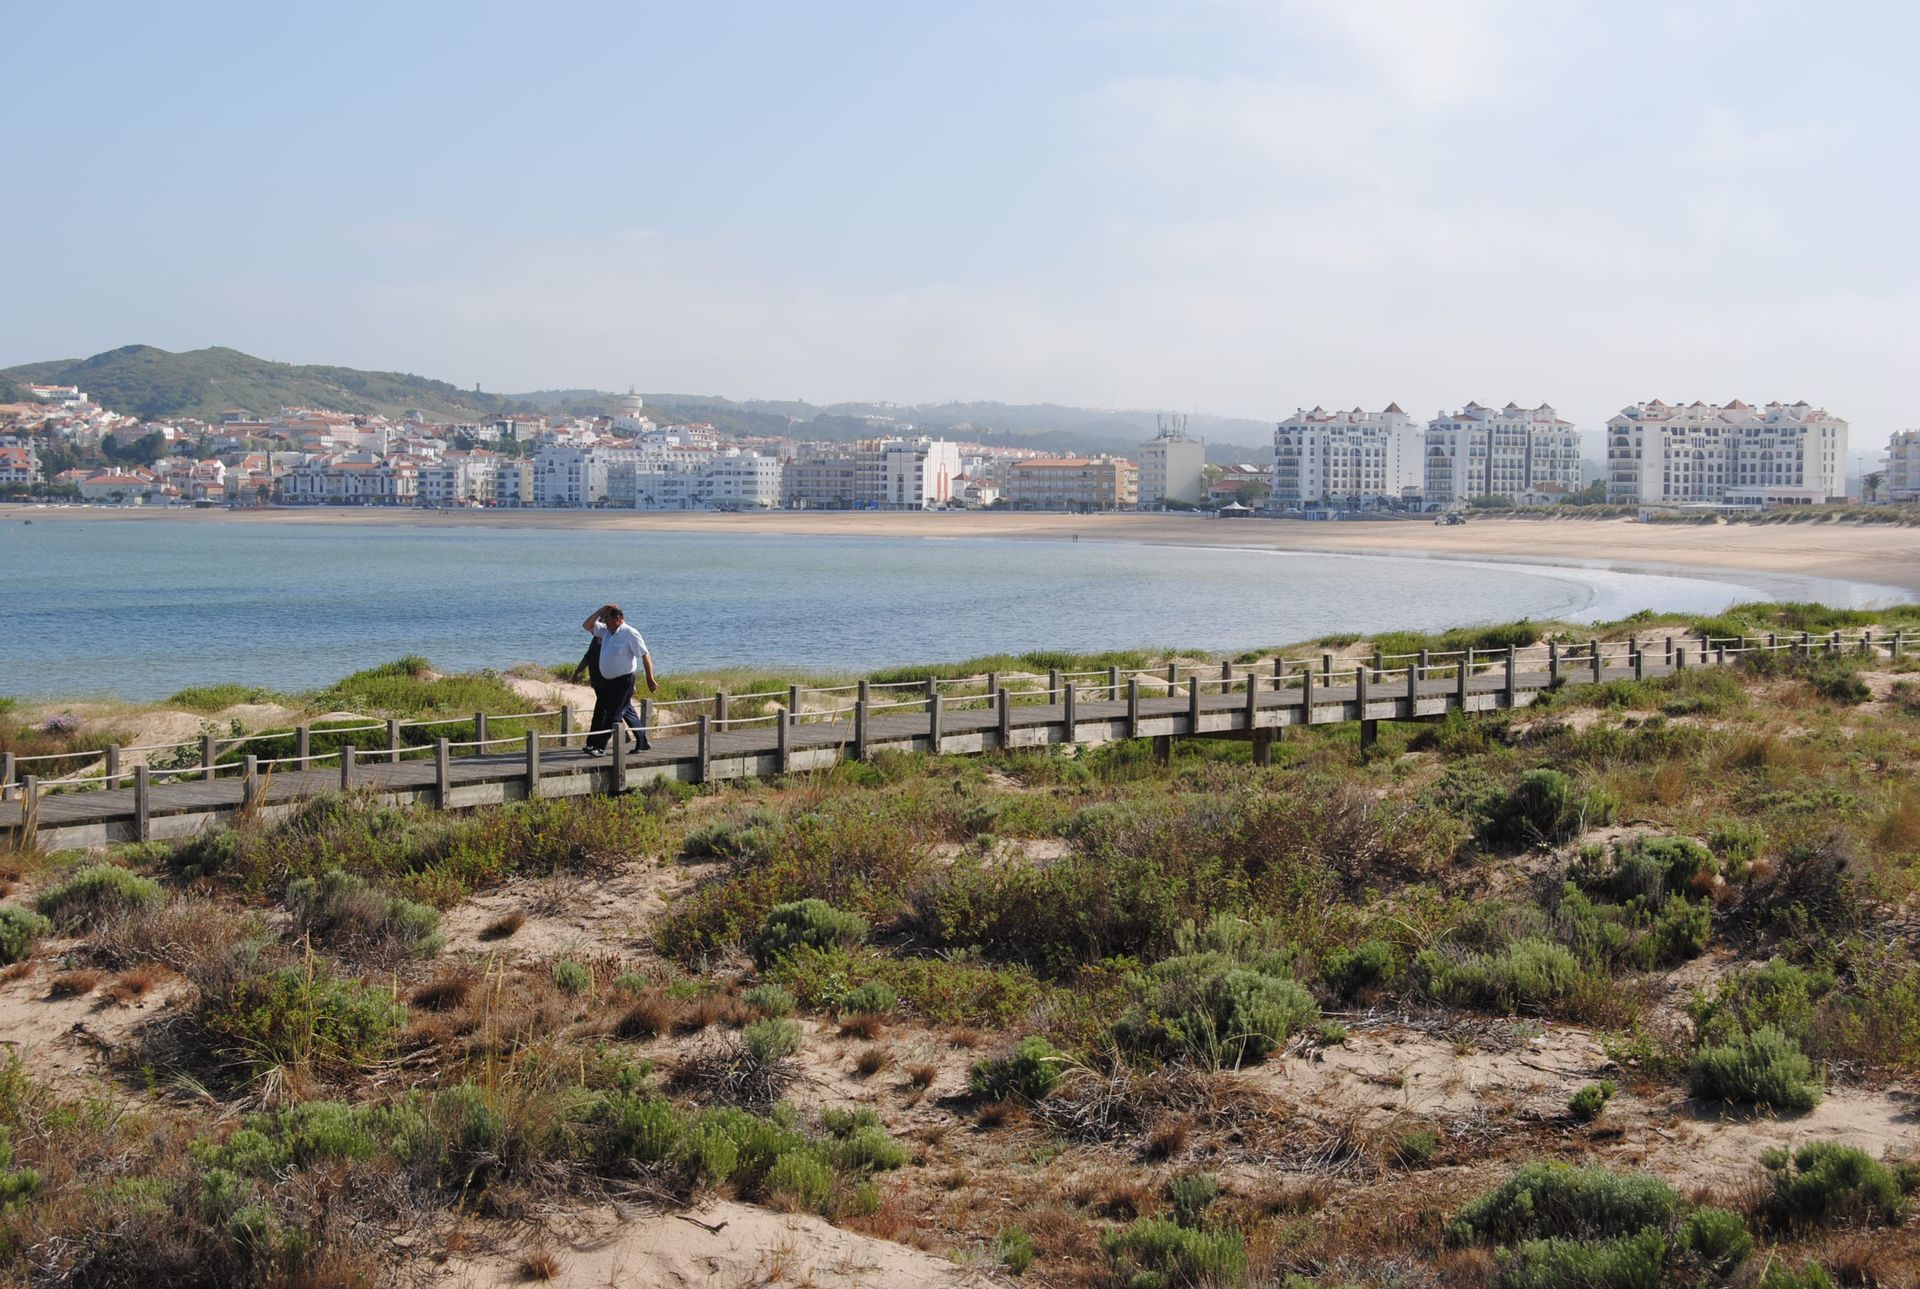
<point>1047,427</point>
<point>144,381</point>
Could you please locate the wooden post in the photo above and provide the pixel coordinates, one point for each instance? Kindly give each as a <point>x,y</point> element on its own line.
<point>1599,664</point>
<point>1360,678</point>
<point>1306,697</point>
<point>533,761</point>
<point>1413,688</point>
<point>862,695</point>
<point>646,726</point>
<point>480,733</point>
<point>1226,670</point>
<point>1326,668</point>
<point>346,768</point>
<point>303,748</point>
<point>1806,644</point>
<point>1460,682</point>
<point>934,704</point>
<point>720,710</point>
<point>1553,662</point>
<point>29,809</point>
<point>1067,697</point>
<point>1133,707</point>
<point>1053,684</point>
<point>7,760</point>
<point>793,705</point>
<point>249,782</point>
<point>1253,702</point>
<point>1513,678</point>
<point>113,765</point>
<point>933,691</point>
<point>208,752</point>
<point>1899,634</point>
<point>442,774</point>
<point>782,743</point>
<point>1173,677</point>
<point>1680,659</point>
<point>619,763</point>
<point>566,725</point>
<point>1379,664</point>
<point>1263,748</point>
<point>1669,652</point>
<point>1468,660</point>
<point>859,729</point>
<point>393,741</point>
<point>703,747</point>
<point>993,688</point>
<point>1113,684</point>
<point>1425,660</point>
<point>1193,704</point>
<point>1720,655</point>
<point>1005,710</point>
<point>1163,749</point>
<point>142,822</point>
<point>1279,673</point>
<point>1833,642</point>
<point>1369,735</point>
<point>1639,663</point>
<point>1773,641</point>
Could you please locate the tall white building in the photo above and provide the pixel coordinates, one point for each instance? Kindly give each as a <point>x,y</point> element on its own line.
<point>1903,468</point>
<point>1517,453</point>
<point>568,477</point>
<point>1707,454</point>
<point>731,480</point>
<point>1346,458</point>
<point>919,474</point>
<point>1172,468</point>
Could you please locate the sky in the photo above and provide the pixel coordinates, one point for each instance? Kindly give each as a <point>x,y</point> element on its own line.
<point>1234,208</point>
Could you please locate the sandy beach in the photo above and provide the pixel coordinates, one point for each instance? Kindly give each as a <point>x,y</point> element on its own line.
<point>1885,555</point>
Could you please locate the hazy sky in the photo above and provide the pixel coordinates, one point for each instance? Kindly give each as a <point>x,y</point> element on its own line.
<point>1234,208</point>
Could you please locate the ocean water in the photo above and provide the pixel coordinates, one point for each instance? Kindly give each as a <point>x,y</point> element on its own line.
<point>143,609</point>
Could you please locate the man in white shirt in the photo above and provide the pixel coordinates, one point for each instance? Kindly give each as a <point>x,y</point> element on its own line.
<point>622,654</point>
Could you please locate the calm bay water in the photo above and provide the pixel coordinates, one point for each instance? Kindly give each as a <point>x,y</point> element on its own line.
<point>142,609</point>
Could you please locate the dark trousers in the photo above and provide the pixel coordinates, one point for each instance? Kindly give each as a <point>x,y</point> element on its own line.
<point>613,706</point>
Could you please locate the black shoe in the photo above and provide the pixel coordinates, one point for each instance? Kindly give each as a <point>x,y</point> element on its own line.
<point>596,751</point>
<point>640,745</point>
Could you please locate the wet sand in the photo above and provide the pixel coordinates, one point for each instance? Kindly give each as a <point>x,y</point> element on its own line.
<point>1882,554</point>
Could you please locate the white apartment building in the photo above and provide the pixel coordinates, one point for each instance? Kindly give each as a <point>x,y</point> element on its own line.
<point>1903,467</point>
<point>743,480</point>
<point>569,477</point>
<point>1515,453</point>
<point>730,480</point>
<point>513,483</point>
<point>919,474</point>
<point>458,481</point>
<point>1707,454</point>
<point>1172,468</point>
<point>1347,458</point>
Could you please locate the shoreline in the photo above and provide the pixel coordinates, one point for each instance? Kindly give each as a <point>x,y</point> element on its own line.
<point>1879,557</point>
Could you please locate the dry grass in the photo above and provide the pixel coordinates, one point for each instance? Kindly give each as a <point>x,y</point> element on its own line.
<point>1169,1137</point>
<point>540,1264</point>
<point>75,984</point>
<point>867,1025</point>
<point>504,926</point>
<point>920,1076</point>
<point>872,1060</point>
<point>446,991</point>
<point>135,983</point>
<point>16,971</point>
<point>650,1016</point>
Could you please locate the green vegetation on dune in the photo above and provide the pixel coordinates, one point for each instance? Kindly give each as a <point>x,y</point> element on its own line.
<point>1066,1013</point>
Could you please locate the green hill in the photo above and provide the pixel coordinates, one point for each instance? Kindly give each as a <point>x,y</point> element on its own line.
<point>144,381</point>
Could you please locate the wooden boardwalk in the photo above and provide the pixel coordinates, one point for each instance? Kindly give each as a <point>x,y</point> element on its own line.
<point>963,716</point>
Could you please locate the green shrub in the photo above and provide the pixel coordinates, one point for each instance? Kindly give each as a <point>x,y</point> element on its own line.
<point>1176,1255</point>
<point>1416,1147</point>
<point>1839,682</point>
<point>1028,1073</point>
<point>1014,1248</point>
<point>16,1184</point>
<point>1651,869</point>
<point>1544,808</point>
<point>1209,1008</point>
<point>800,1180</point>
<point>1367,966</point>
<point>869,997</point>
<point>1825,1183</point>
<point>1529,972</point>
<point>346,914</point>
<point>19,928</point>
<point>771,1000</point>
<point>1764,1068</point>
<point>1190,1195</point>
<point>1629,1262</point>
<point>770,1040</point>
<point>636,1128</point>
<point>1778,994</point>
<point>1718,1239</point>
<point>96,892</point>
<point>1779,1275</point>
<point>300,1017</point>
<point>1587,1104</point>
<point>1554,1200</point>
<point>813,923</point>
<point>572,978</point>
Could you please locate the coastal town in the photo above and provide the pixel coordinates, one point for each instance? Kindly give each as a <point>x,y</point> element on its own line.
<point>59,444</point>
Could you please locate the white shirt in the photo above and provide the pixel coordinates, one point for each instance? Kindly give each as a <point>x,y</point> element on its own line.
<point>620,650</point>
